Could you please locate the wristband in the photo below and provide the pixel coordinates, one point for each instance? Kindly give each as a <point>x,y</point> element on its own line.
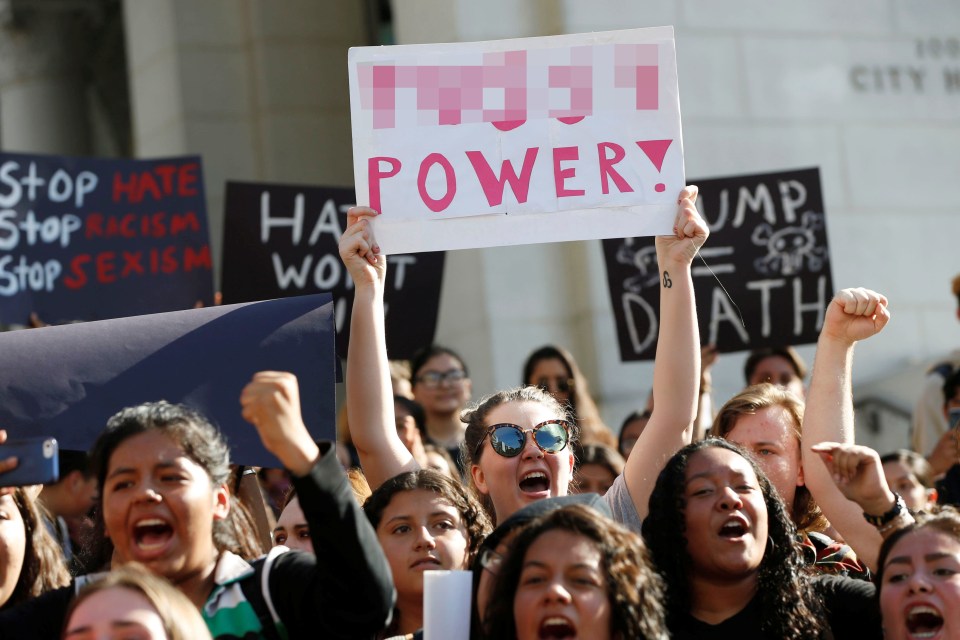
<point>899,506</point>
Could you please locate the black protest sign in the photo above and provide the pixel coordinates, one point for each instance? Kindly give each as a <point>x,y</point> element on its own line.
<point>89,238</point>
<point>768,249</point>
<point>66,381</point>
<point>282,240</point>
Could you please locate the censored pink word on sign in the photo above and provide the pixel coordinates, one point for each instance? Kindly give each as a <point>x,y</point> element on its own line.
<point>506,89</point>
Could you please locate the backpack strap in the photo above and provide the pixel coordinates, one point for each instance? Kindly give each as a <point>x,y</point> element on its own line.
<point>256,589</point>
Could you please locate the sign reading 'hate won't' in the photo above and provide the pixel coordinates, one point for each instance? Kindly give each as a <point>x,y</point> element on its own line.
<point>768,249</point>
<point>88,239</point>
<point>282,240</point>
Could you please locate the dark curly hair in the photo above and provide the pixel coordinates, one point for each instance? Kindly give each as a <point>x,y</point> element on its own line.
<point>633,587</point>
<point>476,420</point>
<point>805,512</point>
<point>474,516</point>
<point>201,442</point>
<point>43,566</point>
<point>789,608</point>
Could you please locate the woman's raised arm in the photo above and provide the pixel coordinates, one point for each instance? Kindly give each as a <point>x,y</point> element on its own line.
<point>370,411</point>
<point>677,370</point>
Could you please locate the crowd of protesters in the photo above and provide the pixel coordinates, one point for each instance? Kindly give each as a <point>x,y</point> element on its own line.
<point>760,519</point>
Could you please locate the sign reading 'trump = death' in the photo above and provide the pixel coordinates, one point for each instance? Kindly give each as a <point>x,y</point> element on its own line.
<point>769,262</point>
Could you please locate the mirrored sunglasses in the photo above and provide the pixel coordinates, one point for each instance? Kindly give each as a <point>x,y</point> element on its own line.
<point>508,439</point>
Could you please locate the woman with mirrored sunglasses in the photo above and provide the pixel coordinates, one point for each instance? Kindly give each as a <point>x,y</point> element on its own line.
<point>554,370</point>
<point>541,467</point>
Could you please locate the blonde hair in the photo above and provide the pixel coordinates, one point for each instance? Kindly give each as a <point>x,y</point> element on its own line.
<point>181,619</point>
<point>359,485</point>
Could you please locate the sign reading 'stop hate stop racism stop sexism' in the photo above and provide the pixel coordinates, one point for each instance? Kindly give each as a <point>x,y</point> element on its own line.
<point>88,238</point>
<point>517,141</point>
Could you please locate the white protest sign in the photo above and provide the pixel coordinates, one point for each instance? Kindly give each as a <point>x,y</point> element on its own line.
<point>446,604</point>
<point>520,141</point>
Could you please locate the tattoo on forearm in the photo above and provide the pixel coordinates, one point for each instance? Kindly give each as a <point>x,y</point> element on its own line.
<point>667,282</point>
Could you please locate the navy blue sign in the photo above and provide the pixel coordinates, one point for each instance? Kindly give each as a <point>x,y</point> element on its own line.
<point>66,381</point>
<point>282,240</point>
<point>88,239</point>
<point>768,249</point>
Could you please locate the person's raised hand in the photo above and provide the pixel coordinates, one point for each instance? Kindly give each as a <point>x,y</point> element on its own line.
<point>689,230</point>
<point>855,314</point>
<point>271,403</point>
<point>359,249</point>
<point>858,474</point>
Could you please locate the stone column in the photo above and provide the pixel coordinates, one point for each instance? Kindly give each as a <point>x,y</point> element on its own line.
<point>42,96</point>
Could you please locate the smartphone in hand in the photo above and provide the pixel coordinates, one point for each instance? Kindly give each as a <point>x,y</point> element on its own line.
<point>953,416</point>
<point>37,462</point>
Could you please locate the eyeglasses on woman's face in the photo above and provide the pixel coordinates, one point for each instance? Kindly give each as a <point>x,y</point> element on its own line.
<point>490,560</point>
<point>433,379</point>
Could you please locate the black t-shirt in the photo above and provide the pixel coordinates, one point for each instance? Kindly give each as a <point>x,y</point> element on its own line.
<point>744,625</point>
<point>851,605</point>
<point>853,610</point>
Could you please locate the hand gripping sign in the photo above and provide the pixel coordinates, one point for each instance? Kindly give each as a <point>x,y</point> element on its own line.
<point>518,141</point>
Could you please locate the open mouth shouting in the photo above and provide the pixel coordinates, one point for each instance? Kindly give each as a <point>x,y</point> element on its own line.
<point>733,528</point>
<point>557,628</point>
<point>535,484</point>
<point>151,536</point>
<point>923,621</point>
